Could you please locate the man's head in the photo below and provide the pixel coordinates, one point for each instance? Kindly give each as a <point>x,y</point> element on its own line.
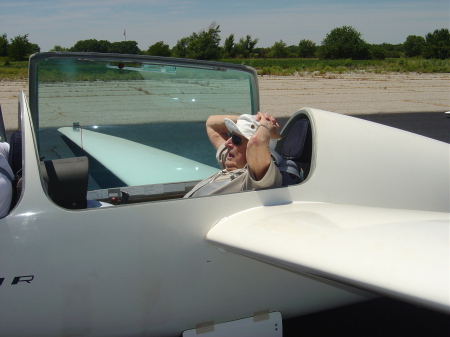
<point>241,131</point>
<point>245,125</point>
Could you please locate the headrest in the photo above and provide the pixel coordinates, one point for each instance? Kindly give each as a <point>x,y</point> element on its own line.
<point>295,140</point>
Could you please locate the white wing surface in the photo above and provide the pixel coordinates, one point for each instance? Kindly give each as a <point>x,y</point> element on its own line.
<point>402,254</point>
<point>137,164</point>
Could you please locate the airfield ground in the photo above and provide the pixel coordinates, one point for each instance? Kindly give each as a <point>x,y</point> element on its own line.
<point>350,94</point>
<point>357,93</point>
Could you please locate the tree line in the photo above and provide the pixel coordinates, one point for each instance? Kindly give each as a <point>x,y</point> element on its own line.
<point>18,47</point>
<point>340,43</point>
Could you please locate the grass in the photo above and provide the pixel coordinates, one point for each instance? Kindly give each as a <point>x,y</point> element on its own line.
<point>13,70</point>
<point>18,70</point>
<point>286,67</point>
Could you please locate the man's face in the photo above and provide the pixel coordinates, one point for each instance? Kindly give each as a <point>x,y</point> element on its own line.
<point>237,154</point>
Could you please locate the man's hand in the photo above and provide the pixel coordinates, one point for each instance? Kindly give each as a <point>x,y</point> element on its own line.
<point>258,153</point>
<point>268,121</point>
<point>216,130</point>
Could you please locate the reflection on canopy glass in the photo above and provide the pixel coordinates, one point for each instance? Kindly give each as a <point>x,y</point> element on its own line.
<point>140,121</point>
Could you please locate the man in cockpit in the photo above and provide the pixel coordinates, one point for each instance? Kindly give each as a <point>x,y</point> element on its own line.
<point>242,144</point>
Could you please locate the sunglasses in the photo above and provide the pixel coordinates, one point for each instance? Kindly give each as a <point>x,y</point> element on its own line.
<point>236,140</point>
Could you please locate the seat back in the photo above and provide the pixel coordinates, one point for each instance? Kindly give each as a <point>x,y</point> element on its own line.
<point>67,181</point>
<point>295,140</point>
<point>15,152</point>
<point>15,162</point>
<point>296,143</point>
<point>2,127</point>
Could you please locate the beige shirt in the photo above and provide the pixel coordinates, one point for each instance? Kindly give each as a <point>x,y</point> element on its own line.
<point>235,181</point>
<point>6,175</point>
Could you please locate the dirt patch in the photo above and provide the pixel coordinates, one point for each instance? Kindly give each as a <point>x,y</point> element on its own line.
<point>356,93</point>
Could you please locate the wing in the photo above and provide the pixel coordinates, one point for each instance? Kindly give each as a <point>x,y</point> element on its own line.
<point>134,163</point>
<point>402,254</point>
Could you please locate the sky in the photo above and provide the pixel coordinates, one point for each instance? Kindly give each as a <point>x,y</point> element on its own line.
<point>60,22</point>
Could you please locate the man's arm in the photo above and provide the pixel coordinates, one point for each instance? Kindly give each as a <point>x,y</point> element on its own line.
<point>216,129</point>
<point>258,153</point>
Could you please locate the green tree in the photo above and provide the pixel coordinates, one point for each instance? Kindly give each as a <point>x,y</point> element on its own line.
<point>229,48</point>
<point>4,45</point>
<point>437,45</point>
<point>393,50</point>
<point>205,44</point>
<point>124,47</point>
<point>201,46</point>
<point>35,48</point>
<point>344,43</point>
<point>20,48</point>
<point>245,46</point>
<point>414,45</point>
<point>307,48</point>
<point>180,49</point>
<point>377,52</point>
<point>59,48</point>
<point>279,50</point>
<point>159,49</point>
<point>261,52</point>
<point>293,50</point>
<point>92,45</point>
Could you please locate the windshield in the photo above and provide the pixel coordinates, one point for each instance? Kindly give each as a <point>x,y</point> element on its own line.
<point>140,120</point>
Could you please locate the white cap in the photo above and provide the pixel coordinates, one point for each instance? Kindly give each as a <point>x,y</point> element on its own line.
<point>245,125</point>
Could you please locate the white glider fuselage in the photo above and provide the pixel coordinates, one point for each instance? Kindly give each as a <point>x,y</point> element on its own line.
<point>154,268</point>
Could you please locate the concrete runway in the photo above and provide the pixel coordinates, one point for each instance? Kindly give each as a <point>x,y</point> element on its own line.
<point>349,94</point>
<point>356,93</point>
<point>412,102</point>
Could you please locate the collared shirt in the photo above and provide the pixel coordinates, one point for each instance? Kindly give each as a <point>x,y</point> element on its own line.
<point>235,181</point>
<point>6,176</point>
